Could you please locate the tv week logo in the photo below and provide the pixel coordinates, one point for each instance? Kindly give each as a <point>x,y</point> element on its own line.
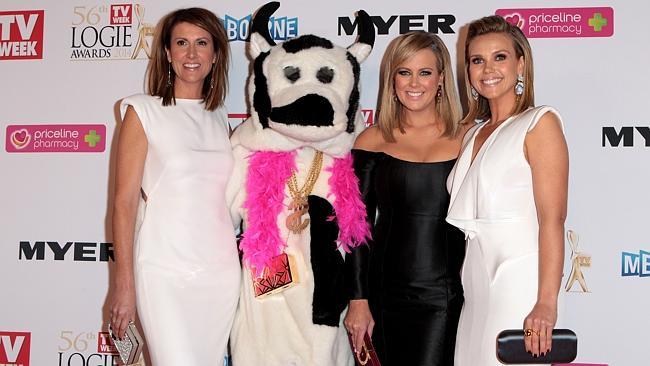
<point>121,14</point>
<point>21,34</point>
<point>14,348</point>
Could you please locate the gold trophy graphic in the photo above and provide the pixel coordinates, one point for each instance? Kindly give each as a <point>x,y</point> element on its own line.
<point>144,30</point>
<point>579,260</point>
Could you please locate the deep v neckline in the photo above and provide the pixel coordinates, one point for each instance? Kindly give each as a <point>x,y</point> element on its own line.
<point>472,157</point>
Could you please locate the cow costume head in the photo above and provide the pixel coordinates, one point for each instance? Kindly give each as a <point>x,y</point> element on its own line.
<point>305,91</point>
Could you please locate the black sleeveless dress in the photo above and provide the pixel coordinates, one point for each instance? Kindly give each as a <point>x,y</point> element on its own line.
<point>410,271</point>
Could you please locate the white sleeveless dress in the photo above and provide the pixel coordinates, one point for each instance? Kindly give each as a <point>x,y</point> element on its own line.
<point>492,203</point>
<point>187,272</point>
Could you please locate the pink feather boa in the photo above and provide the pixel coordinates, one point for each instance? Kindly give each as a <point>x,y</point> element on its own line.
<point>350,210</point>
<point>268,173</point>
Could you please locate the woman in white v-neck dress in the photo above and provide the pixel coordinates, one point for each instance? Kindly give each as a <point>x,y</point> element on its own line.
<point>175,249</point>
<point>508,195</point>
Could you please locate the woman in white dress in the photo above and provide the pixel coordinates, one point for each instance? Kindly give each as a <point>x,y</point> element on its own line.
<point>175,250</point>
<point>509,197</point>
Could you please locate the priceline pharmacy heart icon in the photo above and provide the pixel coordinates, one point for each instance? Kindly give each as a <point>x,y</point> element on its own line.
<point>20,138</point>
<point>515,19</point>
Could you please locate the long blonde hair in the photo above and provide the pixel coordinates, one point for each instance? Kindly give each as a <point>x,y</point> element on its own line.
<point>480,109</point>
<point>390,111</point>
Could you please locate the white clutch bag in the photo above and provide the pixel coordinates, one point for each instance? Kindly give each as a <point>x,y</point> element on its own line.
<point>130,347</point>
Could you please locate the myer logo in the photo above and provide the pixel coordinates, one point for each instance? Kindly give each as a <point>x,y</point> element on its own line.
<point>434,23</point>
<point>75,251</point>
<point>633,264</point>
<point>613,136</point>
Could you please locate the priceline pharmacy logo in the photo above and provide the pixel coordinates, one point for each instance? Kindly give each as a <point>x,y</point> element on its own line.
<point>562,22</point>
<point>55,138</point>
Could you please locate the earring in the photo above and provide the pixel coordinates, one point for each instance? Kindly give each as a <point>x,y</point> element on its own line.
<point>439,94</point>
<point>474,93</point>
<point>169,75</point>
<point>519,87</point>
<point>212,77</point>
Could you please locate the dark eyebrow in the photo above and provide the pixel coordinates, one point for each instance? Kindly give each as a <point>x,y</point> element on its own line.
<point>198,39</point>
<point>497,51</point>
<point>420,69</point>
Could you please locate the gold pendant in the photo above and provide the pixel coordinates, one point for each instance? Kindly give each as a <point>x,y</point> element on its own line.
<point>294,221</point>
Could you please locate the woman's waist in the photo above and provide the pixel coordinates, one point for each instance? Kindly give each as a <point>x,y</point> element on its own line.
<point>420,294</point>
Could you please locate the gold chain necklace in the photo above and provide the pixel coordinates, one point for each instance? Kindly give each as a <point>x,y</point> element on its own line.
<point>299,204</point>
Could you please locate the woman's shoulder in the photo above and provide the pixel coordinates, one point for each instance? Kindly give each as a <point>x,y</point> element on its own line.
<point>543,114</point>
<point>142,97</point>
<point>142,104</point>
<point>369,139</point>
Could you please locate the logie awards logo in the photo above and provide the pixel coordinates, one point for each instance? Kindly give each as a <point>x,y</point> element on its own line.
<point>110,32</point>
<point>579,261</point>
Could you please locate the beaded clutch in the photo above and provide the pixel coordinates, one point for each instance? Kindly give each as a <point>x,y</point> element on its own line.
<point>130,347</point>
<point>279,275</point>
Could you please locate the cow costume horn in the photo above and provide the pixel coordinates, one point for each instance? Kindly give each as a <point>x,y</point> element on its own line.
<point>366,40</point>
<point>260,38</point>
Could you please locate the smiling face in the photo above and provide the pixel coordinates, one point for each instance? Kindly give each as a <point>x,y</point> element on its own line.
<point>191,53</point>
<point>417,80</point>
<point>493,66</point>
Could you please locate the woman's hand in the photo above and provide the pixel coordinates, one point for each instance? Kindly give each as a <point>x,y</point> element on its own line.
<point>358,321</point>
<point>538,328</point>
<point>122,309</point>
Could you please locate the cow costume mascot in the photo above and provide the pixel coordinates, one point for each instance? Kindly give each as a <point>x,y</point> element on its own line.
<point>294,187</point>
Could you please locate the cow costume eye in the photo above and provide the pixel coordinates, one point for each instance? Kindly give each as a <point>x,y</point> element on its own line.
<point>325,75</point>
<point>292,73</point>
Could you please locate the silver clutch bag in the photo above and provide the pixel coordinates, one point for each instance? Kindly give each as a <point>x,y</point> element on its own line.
<point>130,347</point>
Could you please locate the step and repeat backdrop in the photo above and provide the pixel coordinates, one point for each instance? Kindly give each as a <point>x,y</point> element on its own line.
<point>65,65</point>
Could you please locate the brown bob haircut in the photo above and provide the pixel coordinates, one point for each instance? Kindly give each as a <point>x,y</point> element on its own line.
<point>391,114</point>
<point>480,109</point>
<point>159,68</point>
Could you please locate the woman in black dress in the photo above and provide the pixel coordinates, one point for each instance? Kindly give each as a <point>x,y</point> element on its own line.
<point>405,286</point>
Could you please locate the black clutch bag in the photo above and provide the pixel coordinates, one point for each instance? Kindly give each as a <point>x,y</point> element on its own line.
<point>511,349</point>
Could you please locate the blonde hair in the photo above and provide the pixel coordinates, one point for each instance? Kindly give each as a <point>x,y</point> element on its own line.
<point>159,68</point>
<point>480,109</point>
<point>390,111</point>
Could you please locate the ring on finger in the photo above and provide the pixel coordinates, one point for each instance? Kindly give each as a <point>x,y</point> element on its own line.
<point>528,332</point>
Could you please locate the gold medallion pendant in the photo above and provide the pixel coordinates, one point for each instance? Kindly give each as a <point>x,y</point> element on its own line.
<point>299,205</point>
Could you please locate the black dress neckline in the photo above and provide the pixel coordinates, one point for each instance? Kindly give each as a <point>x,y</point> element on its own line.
<point>407,161</point>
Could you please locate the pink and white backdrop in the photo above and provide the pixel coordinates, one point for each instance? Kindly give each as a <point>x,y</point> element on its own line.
<point>64,65</point>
